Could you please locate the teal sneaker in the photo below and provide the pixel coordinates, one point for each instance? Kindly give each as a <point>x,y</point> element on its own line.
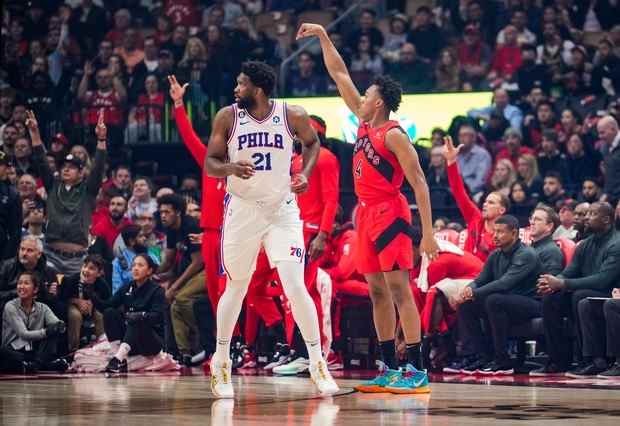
<point>379,383</point>
<point>411,381</point>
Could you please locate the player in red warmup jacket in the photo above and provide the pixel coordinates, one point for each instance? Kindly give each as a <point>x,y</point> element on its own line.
<point>317,208</point>
<point>479,223</point>
<point>213,191</point>
<point>383,156</point>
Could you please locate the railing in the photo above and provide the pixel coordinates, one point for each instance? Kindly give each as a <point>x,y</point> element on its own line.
<point>285,63</point>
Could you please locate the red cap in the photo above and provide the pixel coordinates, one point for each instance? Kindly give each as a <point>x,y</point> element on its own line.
<point>60,138</point>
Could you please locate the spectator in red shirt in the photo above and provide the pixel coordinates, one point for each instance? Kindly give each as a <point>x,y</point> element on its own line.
<point>120,183</point>
<point>480,224</point>
<point>474,56</point>
<point>507,58</point>
<point>513,148</point>
<point>122,20</point>
<point>111,225</point>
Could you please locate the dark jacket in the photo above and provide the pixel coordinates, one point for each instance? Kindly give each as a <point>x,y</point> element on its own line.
<point>596,263</point>
<point>72,288</point>
<point>10,220</point>
<point>514,271</point>
<point>550,255</point>
<point>69,212</point>
<point>612,180</point>
<point>10,270</point>
<point>148,298</point>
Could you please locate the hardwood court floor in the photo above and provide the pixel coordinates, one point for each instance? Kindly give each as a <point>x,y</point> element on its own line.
<point>172,399</point>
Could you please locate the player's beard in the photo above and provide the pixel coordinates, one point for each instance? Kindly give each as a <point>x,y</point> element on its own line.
<point>246,103</point>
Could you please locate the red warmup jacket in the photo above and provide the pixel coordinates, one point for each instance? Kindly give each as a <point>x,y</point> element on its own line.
<point>447,265</point>
<point>479,241</point>
<point>340,258</point>
<point>319,203</point>
<point>213,189</point>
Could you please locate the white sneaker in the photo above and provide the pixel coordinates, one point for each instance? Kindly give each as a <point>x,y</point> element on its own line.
<point>199,358</point>
<point>221,384</point>
<point>322,378</point>
<point>299,365</point>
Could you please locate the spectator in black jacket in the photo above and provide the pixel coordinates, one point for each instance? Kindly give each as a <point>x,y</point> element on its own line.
<point>30,258</point>
<point>582,160</point>
<point>531,74</point>
<point>426,36</point>
<point>504,292</point>
<point>550,157</point>
<point>76,296</point>
<point>608,131</point>
<point>10,212</point>
<point>543,223</point>
<point>138,326</point>
<point>593,272</point>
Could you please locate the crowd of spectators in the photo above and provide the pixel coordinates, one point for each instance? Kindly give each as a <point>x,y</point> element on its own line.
<point>81,81</point>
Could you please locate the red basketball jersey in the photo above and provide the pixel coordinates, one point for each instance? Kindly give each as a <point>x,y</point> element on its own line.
<point>377,173</point>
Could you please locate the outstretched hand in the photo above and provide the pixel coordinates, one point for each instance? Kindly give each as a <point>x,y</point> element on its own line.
<point>31,122</point>
<point>309,30</point>
<point>176,90</point>
<point>450,152</point>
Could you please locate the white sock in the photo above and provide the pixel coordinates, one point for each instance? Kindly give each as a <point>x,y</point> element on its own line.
<point>228,310</point>
<point>302,306</point>
<point>123,351</point>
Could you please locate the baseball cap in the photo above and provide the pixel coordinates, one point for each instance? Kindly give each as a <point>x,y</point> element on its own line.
<point>72,159</point>
<point>59,137</point>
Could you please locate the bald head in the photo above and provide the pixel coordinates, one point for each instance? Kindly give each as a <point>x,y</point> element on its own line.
<point>607,128</point>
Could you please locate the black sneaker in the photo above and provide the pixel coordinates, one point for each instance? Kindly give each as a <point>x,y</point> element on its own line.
<point>457,364</point>
<point>282,355</point>
<point>548,370</point>
<point>116,366</point>
<point>587,371</point>
<point>60,365</point>
<point>475,366</point>
<point>497,368</point>
<point>236,354</point>
<point>186,360</point>
<point>612,373</point>
<point>29,367</point>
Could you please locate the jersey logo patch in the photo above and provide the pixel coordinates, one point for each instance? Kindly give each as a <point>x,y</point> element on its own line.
<point>276,120</point>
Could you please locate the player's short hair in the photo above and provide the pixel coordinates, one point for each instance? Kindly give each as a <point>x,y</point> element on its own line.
<point>503,199</point>
<point>509,220</point>
<point>390,91</point>
<point>260,74</point>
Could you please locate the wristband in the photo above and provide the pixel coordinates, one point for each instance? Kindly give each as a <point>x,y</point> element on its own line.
<point>178,104</point>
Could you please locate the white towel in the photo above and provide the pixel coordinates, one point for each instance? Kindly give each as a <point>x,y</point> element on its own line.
<point>444,247</point>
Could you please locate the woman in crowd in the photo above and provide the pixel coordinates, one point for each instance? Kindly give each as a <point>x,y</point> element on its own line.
<point>527,173</point>
<point>569,124</point>
<point>447,72</point>
<point>30,331</point>
<point>134,315</point>
<point>521,203</point>
<point>503,177</point>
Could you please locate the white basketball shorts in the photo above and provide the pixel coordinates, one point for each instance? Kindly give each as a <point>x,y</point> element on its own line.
<point>249,224</point>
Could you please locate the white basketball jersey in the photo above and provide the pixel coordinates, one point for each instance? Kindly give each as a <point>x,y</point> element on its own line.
<point>268,144</point>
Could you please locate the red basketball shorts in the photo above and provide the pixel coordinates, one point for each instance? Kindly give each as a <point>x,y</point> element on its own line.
<point>384,236</point>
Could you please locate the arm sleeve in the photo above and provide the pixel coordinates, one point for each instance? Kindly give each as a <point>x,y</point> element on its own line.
<point>96,175</point>
<point>604,278</point>
<point>49,316</point>
<point>521,267</point>
<point>13,321</point>
<point>330,177</point>
<point>486,275</point>
<point>466,205</point>
<point>189,137</point>
<point>155,315</point>
<point>40,162</point>
<point>551,261</point>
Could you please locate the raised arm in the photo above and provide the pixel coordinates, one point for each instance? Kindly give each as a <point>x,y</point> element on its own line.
<point>465,204</point>
<point>38,151</point>
<point>93,182</point>
<point>190,138</point>
<point>300,123</point>
<point>335,66</point>
<point>398,142</point>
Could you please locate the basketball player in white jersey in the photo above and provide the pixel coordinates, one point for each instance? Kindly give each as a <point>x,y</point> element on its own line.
<point>251,145</point>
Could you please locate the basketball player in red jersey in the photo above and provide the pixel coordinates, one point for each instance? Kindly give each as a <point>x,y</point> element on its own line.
<point>383,156</point>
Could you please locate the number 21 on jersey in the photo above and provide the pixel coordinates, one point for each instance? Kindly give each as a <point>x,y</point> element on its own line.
<point>262,161</point>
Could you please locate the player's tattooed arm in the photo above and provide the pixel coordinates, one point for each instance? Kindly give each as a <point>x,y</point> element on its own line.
<point>335,66</point>
<point>310,146</point>
<point>216,162</point>
<point>398,142</point>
